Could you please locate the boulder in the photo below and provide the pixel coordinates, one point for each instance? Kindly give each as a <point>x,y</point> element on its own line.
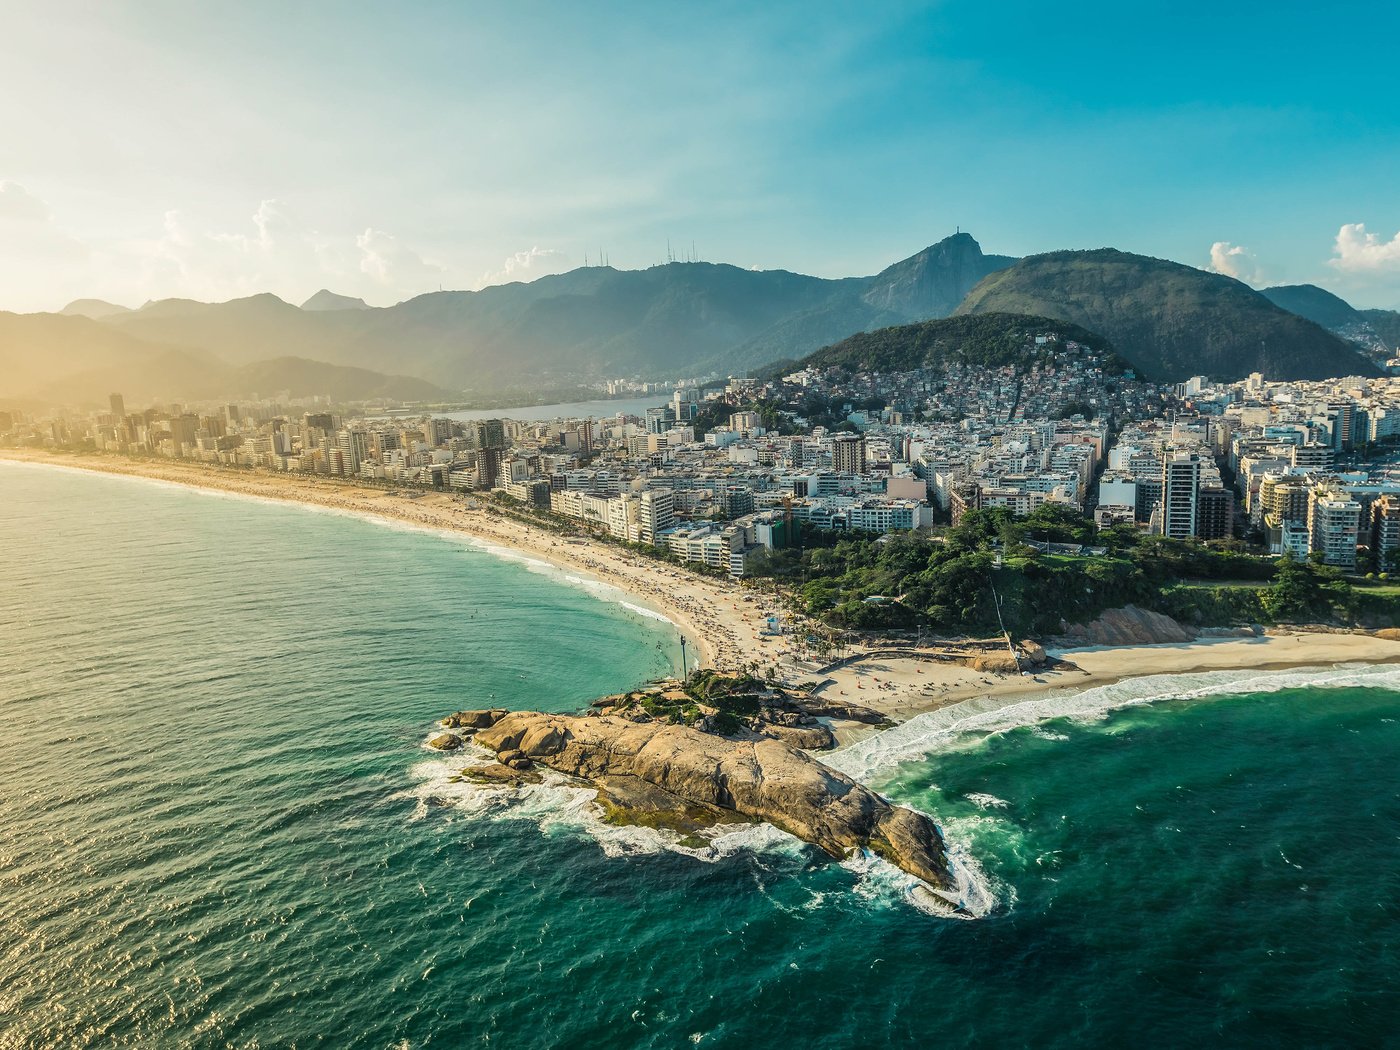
<point>495,773</point>
<point>474,719</point>
<point>826,707</point>
<point>808,738</point>
<point>995,663</point>
<point>446,742</point>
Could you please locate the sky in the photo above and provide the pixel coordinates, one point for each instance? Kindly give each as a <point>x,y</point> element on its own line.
<point>151,148</point>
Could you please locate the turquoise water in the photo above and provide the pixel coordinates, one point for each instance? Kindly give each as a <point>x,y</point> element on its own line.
<point>219,825</point>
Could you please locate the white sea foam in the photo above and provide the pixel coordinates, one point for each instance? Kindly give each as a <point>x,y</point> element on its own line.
<point>985,801</point>
<point>974,719</point>
<point>882,884</point>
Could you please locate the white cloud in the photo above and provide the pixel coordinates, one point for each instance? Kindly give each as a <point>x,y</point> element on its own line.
<point>1235,261</point>
<point>393,264</point>
<point>526,266</point>
<point>1359,252</point>
<point>17,204</point>
<point>29,237</point>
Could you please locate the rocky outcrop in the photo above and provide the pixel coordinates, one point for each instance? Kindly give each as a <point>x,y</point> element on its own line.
<point>446,742</point>
<point>827,707</point>
<point>473,720</point>
<point>1126,626</point>
<point>807,738</point>
<point>762,779</point>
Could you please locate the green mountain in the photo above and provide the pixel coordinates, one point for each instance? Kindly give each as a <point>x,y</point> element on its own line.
<point>1333,313</point>
<point>52,358</point>
<point>1386,324</point>
<point>1167,320</point>
<point>993,340</point>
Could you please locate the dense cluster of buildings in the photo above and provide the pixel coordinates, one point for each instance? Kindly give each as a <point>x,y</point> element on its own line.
<point>722,476</point>
<point>1315,467</point>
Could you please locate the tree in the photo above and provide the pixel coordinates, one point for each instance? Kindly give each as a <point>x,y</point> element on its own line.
<point>1302,591</point>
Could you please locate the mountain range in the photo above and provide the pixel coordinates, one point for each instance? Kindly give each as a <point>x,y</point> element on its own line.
<point>680,319</point>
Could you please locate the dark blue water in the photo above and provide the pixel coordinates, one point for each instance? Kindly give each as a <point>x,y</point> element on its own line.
<point>219,826</point>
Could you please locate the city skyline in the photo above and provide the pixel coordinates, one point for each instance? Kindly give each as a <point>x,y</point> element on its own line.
<point>384,154</point>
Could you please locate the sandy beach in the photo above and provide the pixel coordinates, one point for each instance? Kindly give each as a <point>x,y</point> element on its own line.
<point>722,621</point>
<point>719,619</point>
<point>903,688</point>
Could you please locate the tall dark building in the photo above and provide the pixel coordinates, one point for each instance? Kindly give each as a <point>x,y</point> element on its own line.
<point>1215,514</point>
<point>488,467</point>
<point>118,404</point>
<point>490,433</point>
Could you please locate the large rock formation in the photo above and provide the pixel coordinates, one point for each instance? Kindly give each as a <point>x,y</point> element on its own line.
<point>1126,626</point>
<point>763,779</point>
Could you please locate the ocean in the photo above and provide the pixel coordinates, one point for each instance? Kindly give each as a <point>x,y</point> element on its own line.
<point>220,824</point>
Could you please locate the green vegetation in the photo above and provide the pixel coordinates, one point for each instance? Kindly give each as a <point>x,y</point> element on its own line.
<point>990,340</point>
<point>947,583</point>
<point>1314,303</point>
<point>1169,321</point>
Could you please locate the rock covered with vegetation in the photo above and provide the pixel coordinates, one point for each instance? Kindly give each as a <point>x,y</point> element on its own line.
<point>736,705</point>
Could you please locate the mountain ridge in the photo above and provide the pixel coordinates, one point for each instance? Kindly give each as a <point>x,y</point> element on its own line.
<point>695,319</point>
<point>1168,320</point>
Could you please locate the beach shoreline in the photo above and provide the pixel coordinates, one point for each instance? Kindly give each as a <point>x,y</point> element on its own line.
<point>723,621</point>
<point>712,616</point>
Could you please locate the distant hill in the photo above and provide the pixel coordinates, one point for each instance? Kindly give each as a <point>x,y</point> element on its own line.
<point>96,309</point>
<point>53,358</point>
<point>1167,320</point>
<point>328,300</point>
<point>993,340</point>
<point>1386,324</point>
<point>1333,313</point>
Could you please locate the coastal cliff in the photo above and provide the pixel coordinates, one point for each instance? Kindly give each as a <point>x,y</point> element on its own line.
<point>667,775</point>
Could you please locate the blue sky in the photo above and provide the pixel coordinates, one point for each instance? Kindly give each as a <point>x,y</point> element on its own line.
<point>151,149</point>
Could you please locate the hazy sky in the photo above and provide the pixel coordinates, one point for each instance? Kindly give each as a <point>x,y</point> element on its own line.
<point>152,149</point>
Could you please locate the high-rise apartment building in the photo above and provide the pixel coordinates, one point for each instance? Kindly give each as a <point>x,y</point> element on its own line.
<point>1181,489</point>
<point>1385,529</point>
<point>490,433</point>
<point>848,454</point>
<point>118,404</point>
<point>657,512</point>
<point>183,431</point>
<point>354,448</point>
<point>1334,525</point>
<point>1215,514</point>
